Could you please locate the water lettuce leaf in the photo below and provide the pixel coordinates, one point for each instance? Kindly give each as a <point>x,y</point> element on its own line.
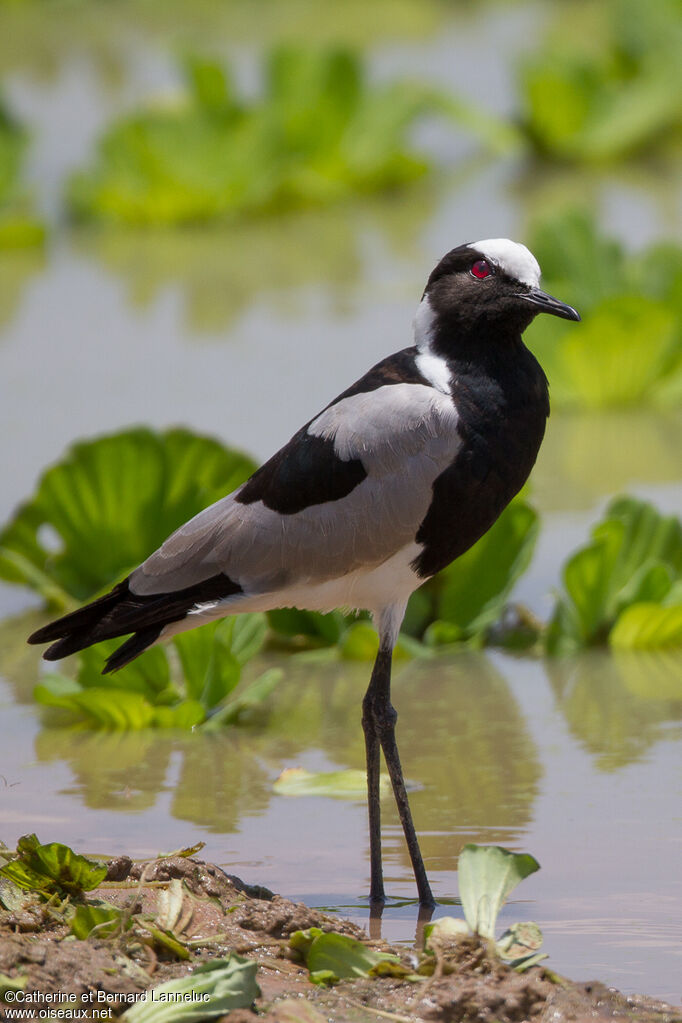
<point>628,349</point>
<point>466,598</point>
<point>347,784</point>
<point>618,95</point>
<point>52,867</point>
<point>634,557</point>
<point>108,504</point>
<point>486,876</point>
<point>143,694</point>
<point>648,626</point>
<point>103,918</point>
<point>331,957</point>
<point>230,984</point>
<point>318,133</point>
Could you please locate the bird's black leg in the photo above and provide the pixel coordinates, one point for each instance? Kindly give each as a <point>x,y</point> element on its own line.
<point>378,720</point>
<point>373,751</point>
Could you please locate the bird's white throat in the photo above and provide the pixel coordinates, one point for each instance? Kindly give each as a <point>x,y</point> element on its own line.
<point>432,367</point>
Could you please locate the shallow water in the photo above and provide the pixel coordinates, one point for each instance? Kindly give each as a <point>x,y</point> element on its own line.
<point>577,762</point>
<point>246,333</point>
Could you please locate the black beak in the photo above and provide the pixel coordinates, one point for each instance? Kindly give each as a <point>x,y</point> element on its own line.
<point>548,304</point>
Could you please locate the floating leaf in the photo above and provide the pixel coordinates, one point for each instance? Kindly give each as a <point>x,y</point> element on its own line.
<point>348,784</point>
<point>487,874</point>
<point>229,984</point>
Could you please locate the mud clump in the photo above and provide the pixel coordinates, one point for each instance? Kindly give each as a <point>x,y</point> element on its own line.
<point>178,912</point>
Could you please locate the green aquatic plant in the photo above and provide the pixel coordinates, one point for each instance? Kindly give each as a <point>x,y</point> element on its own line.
<point>462,602</point>
<point>617,586</point>
<point>319,133</point>
<point>19,225</point>
<point>606,82</point>
<point>212,989</point>
<point>331,957</point>
<point>107,504</point>
<point>628,350</point>
<point>52,867</point>
<point>145,694</point>
<point>487,875</point>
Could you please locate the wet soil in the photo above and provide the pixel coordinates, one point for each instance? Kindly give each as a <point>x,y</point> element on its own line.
<point>180,912</point>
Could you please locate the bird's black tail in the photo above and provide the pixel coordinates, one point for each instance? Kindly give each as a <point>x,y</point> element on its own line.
<point>122,612</point>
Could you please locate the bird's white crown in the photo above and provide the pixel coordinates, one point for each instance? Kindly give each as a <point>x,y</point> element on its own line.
<point>512,258</point>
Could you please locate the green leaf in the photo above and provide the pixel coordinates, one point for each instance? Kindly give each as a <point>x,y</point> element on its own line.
<point>519,945</point>
<point>621,354</point>
<point>443,931</point>
<point>19,226</point>
<point>318,133</point>
<point>11,984</point>
<point>112,501</point>
<point>348,784</point>
<point>251,696</point>
<point>325,629</point>
<point>106,707</point>
<point>648,626</point>
<point>604,101</point>
<point>487,875</point>
<point>184,715</point>
<point>331,957</point>
<point>634,556</point>
<point>212,657</point>
<point>470,594</point>
<point>229,984</point>
<point>52,867</point>
<point>103,919</point>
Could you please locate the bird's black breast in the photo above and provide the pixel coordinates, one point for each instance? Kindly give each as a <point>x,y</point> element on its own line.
<point>502,411</point>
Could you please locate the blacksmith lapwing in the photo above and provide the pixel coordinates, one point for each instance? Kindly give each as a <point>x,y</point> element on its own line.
<point>395,478</point>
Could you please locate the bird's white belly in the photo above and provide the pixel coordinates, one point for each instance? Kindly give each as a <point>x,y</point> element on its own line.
<point>373,588</point>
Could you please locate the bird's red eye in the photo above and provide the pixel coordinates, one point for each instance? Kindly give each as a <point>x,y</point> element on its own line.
<point>481,269</point>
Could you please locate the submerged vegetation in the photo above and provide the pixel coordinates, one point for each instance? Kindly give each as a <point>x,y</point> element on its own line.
<point>319,133</point>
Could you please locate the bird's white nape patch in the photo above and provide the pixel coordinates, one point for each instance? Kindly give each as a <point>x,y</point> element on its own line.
<point>512,258</point>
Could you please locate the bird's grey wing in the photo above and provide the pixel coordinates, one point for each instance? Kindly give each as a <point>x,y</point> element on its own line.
<point>349,490</point>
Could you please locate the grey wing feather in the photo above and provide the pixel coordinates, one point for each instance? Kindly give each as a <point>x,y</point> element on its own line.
<point>405,435</point>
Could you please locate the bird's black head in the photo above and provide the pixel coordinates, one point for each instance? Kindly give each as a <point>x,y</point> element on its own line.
<point>486,286</point>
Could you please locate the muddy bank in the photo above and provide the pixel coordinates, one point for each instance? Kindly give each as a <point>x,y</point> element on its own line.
<point>187,912</point>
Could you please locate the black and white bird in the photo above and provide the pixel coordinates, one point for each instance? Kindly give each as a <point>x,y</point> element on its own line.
<point>395,478</point>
